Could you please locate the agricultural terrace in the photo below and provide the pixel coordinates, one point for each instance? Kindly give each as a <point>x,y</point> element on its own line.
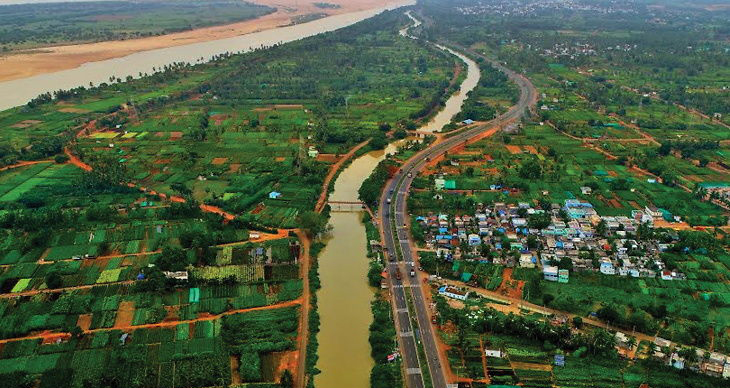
<point>27,26</point>
<point>95,275</point>
<point>524,349</point>
<point>253,134</point>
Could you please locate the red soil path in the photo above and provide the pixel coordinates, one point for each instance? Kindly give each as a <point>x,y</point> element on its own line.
<point>24,163</point>
<point>331,174</point>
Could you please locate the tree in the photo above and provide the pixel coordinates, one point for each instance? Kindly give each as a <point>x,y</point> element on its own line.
<point>378,142</point>
<point>531,169</point>
<point>286,380</point>
<point>608,313</point>
<point>565,263</point>
<point>689,354</point>
<point>577,322</point>
<point>107,172</point>
<point>374,272</point>
<point>54,280</point>
<point>547,298</point>
<point>313,222</point>
<point>172,259</point>
<point>77,332</point>
<point>539,220</point>
<point>602,342</point>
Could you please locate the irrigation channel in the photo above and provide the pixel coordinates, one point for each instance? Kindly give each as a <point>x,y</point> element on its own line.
<point>19,91</point>
<point>344,299</point>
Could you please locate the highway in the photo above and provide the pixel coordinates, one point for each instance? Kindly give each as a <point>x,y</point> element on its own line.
<point>394,218</point>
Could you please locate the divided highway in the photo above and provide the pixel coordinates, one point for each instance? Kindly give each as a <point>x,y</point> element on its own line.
<point>394,218</point>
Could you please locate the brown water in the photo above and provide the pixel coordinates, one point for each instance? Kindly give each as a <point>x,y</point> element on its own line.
<point>454,103</point>
<point>344,300</point>
<point>20,91</point>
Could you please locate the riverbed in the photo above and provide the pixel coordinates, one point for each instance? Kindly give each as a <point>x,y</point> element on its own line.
<point>19,91</point>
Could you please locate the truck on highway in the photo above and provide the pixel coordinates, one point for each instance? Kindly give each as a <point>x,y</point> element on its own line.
<point>412,271</point>
<point>388,200</point>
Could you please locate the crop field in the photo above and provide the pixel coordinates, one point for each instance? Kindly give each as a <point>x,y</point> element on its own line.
<point>71,288</point>
<point>238,139</point>
<point>190,354</point>
<point>112,273</point>
<point>565,167</point>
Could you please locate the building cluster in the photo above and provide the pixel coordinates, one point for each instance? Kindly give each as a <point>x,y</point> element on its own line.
<point>710,363</point>
<point>523,236</point>
<point>538,7</point>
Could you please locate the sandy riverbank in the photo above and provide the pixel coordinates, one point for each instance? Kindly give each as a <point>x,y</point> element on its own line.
<point>58,58</point>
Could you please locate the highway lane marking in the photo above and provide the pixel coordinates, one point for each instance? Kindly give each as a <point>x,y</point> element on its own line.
<point>407,334</point>
<point>413,371</point>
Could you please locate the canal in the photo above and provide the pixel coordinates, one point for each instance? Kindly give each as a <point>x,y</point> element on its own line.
<point>345,296</point>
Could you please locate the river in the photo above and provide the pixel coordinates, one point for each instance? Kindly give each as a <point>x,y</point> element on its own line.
<point>454,103</point>
<point>19,91</point>
<point>344,299</point>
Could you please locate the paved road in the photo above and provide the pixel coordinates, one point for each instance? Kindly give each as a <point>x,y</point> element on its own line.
<point>394,219</point>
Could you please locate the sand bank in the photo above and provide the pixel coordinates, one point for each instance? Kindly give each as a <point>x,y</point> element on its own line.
<point>52,59</point>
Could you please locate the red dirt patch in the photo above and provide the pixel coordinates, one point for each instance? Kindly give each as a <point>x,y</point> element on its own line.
<point>615,204</point>
<point>84,321</point>
<point>531,149</point>
<point>234,167</point>
<point>289,106</point>
<point>162,161</point>
<point>219,161</point>
<point>513,149</point>
<point>218,119</point>
<point>258,209</point>
<point>327,158</point>
<point>510,287</point>
<point>26,123</point>
<point>74,110</point>
<point>175,135</point>
<point>125,314</point>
